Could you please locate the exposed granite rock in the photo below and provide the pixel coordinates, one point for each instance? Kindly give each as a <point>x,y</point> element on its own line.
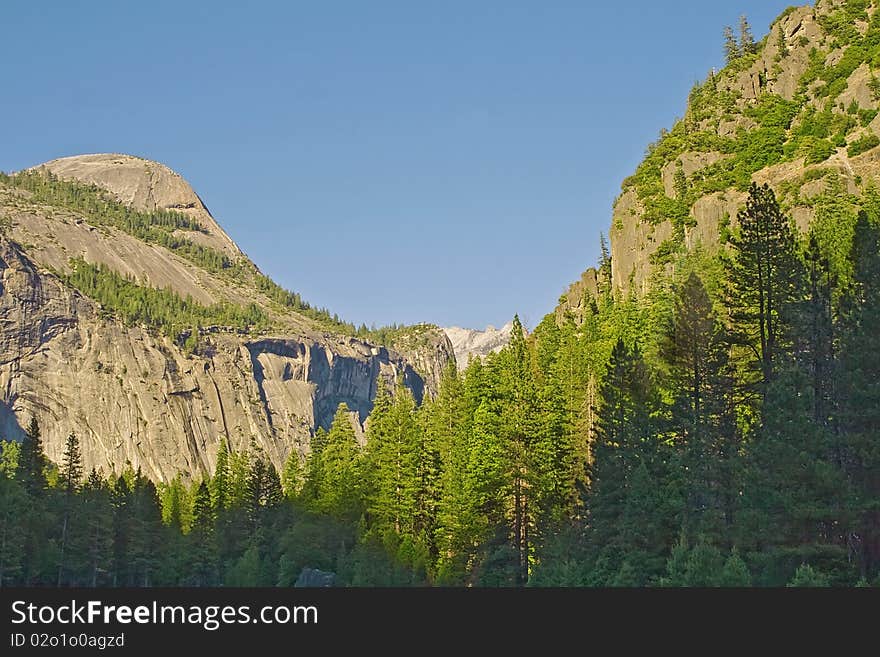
<point>578,295</point>
<point>634,239</point>
<point>145,185</point>
<point>134,396</point>
<point>691,162</point>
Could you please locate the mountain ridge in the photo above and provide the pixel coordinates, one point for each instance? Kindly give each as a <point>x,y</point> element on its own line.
<point>798,110</point>
<point>130,318</point>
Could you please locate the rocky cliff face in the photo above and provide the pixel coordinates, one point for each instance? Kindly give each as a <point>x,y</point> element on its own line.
<point>799,111</point>
<point>132,394</point>
<point>472,343</point>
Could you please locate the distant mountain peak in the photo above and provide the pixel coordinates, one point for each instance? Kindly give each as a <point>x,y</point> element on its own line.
<point>480,343</point>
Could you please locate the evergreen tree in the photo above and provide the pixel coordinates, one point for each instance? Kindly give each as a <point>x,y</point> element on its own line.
<point>32,460</point>
<point>292,476</point>
<point>220,482</point>
<point>145,539</point>
<point>98,522</point>
<point>805,576</point>
<point>334,487</point>
<point>632,508</point>
<point>393,454</point>
<point>15,504</point>
<point>781,44</point>
<point>732,50</point>
<point>202,548</point>
<point>604,273</point>
<point>858,382</point>
<point>703,411</point>
<point>37,557</point>
<point>735,572</point>
<point>71,474</point>
<point>457,524</point>
<point>747,43</point>
<point>263,484</point>
<point>765,281</point>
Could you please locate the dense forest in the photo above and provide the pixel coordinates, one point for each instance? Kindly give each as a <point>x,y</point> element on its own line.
<point>719,431</point>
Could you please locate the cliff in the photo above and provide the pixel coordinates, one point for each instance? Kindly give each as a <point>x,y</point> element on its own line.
<point>134,390</point>
<point>797,110</point>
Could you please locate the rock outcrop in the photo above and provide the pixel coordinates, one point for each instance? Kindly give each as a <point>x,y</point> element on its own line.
<point>145,185</point>
<point>806,102</point>
<point>132,394</point>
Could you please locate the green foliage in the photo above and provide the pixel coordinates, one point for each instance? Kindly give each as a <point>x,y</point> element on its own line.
<point>164,309</point>
<point>805,576</point>
<point>863,144</point>
<point>764,277</point>
<point>816,150</point>
<point>840,23</point>
<point>334,471</point>
<point>167,228</point>
<point>9,455</point>
<point>160,227</point>
<point>32,464</point>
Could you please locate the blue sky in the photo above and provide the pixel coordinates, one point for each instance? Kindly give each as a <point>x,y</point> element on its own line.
<point>451,162</point>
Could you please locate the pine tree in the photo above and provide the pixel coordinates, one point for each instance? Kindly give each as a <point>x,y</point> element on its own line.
<point>71,474</point>
<point>604,274</point>
<point>220,482</point>
<point>145,539</point>
<point>632,508</point>
<point>858,383</point>
<point>817,351</point>
<point>98,522</point>
<point>71,465</point>
<point>747,45</point>
<point>263,484</point>
<point>393,454</point>
<point>121,498</point>
<point>38,561</point>
<point>15,504</point>
<point>765,280</point>
<point>456,515</point>
<point>732,50</point>
<point>335,488</point>
<point>781,44</point>
<point>703,411</point>
<point>521,433</point>
<point>202,552</point>
<point>292,476</point>
<point>32,460</point>
<point>735,571</point>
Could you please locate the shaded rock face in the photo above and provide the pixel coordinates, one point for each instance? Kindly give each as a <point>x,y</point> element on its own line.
<point>132,395</point>
<point>314,578</point>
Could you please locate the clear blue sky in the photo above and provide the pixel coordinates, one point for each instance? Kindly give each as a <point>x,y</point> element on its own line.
<point>451,162</point>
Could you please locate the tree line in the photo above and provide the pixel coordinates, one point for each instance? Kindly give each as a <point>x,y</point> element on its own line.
<point>719,431</point>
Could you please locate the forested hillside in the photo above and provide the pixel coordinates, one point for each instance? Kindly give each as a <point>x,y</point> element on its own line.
<point>721,432</point>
